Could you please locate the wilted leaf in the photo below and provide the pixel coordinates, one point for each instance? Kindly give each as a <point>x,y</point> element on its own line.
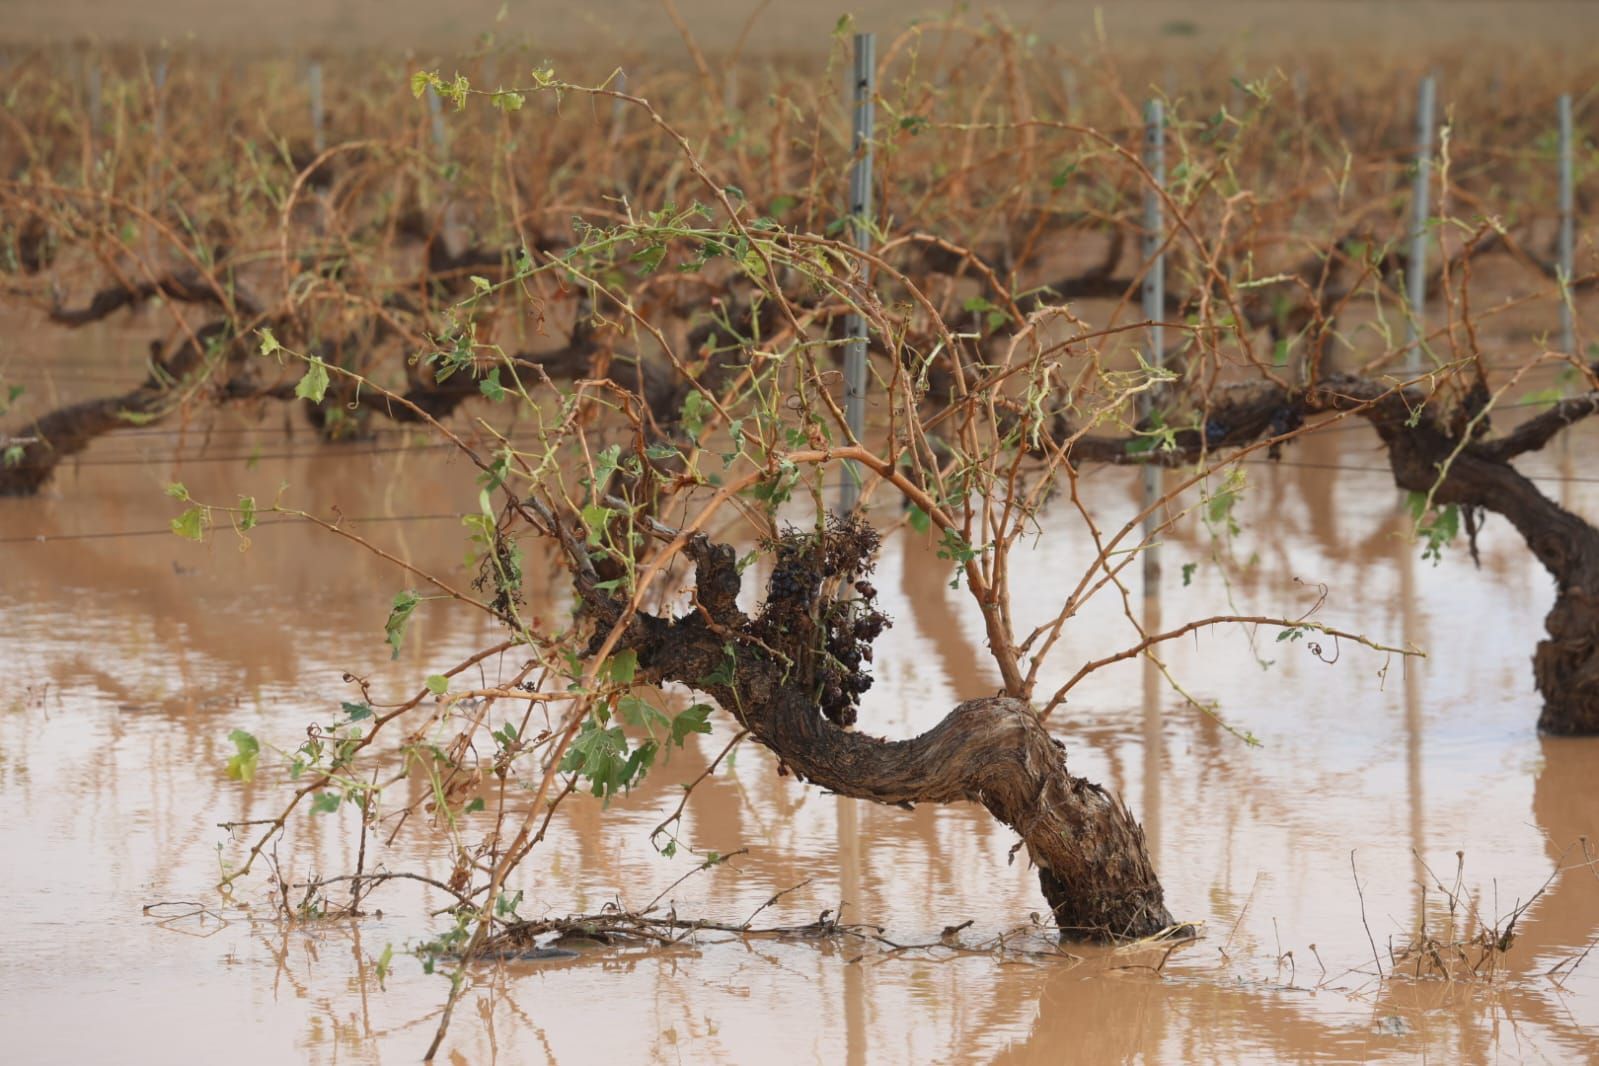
<point>695,407</point>
<point>241,767</point>
<point>314,384</point>
<point>190,525</point>
<point>394,629</point>
<point>600,755</point>
<point>385,960</point>
<point>642,715</point>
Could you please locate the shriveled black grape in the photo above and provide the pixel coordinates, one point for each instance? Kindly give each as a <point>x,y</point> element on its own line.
<point>820,611</point>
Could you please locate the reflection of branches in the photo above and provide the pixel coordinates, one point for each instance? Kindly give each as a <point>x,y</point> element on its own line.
<point>688,789</point>
<point>367,882</point>
<point>1289,625</point>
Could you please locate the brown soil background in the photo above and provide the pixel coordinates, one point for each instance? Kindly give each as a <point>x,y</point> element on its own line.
<point>345,24</point>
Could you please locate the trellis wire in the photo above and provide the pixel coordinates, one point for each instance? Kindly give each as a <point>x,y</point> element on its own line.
<point>166,531</point>
<point>115,534</point>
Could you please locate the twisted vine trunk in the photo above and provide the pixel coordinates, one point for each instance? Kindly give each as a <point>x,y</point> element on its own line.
<point>1091,855</point>
<point>1093,863</point>
<point>63,433</point>
<point>1566,663</point>
<point>1445,450</point>
<point>1427,452</point>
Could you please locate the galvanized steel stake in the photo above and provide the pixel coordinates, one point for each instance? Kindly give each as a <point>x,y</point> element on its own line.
<point>1416,265</point>
<point>860,214</point>
<point>94,95</point>
<point>1568,325</point>
<point>436,113</point>
<point>313,77</point>
<point>618,107</point>
<point>160,78</point>
<point>1154,308</point>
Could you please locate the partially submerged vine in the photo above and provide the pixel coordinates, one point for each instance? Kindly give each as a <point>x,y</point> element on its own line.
<point>685,409</point>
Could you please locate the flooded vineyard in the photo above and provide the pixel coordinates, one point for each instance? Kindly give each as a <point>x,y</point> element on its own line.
<point>138,656</point>
<point>517,559</point>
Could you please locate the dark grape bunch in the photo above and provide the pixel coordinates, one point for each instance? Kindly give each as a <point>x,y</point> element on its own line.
<point>795,579</point>
<point>822,611</point>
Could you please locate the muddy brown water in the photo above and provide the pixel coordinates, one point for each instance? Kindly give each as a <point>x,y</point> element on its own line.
<point>127,661</point>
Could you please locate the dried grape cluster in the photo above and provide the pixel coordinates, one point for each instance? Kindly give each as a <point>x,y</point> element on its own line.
<point>821,610</point>
<point>849,635</point>
<point>795,579</point>
<point>501,570</point>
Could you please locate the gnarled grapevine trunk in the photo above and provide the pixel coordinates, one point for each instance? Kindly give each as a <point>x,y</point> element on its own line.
<point>1566,663</point>
<point>1426,452</point>
<point>67,431</point>
<point>1092,859</point>
<point>1443,451</point>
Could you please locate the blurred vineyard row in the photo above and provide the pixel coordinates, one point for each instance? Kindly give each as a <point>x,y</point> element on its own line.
<point>1007,179</point>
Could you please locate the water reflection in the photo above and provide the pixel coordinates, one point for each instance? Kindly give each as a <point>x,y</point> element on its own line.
<point>136,657</point>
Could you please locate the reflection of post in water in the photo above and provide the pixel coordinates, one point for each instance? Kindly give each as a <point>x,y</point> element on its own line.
<point>1565,806</point>
<point>1154,738</point>
<point>1098,1020</point>
<point>922,580</point>
<point>1413,723</point>
<point>1568,472</point>
<point>849,862</point>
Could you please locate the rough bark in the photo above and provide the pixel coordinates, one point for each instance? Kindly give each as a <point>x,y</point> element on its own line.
<point>69,430</point>
<point>179,286</point>
<point>1092,859</point>
<point>1427,451</point>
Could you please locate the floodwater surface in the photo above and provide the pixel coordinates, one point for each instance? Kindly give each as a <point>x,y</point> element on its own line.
<point>128,659</point>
